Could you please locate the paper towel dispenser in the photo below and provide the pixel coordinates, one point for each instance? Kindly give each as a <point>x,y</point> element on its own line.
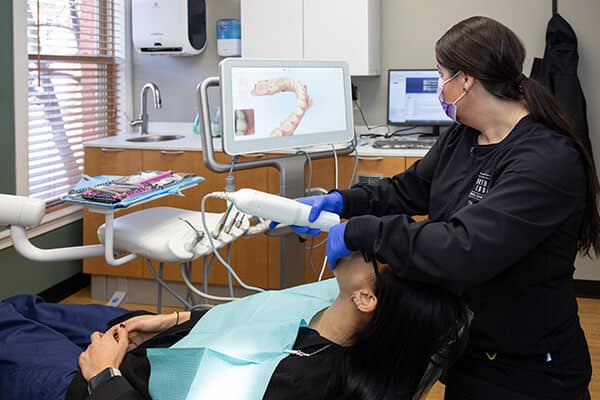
<point>175,27</point>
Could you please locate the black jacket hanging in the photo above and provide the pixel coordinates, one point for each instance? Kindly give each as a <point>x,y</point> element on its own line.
<point>558,72</point>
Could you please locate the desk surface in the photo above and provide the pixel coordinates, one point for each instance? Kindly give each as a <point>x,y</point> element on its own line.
<point>192,142</point>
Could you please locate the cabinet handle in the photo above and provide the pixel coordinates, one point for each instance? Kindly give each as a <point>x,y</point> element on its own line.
<point>254,155</point>
<point>172,152</point>
<point>111,150</point>
<point>371,158</point>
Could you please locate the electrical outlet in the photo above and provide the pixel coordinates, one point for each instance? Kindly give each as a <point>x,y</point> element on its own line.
<point>117,298</point>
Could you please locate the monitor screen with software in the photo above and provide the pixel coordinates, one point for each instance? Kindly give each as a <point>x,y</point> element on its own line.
<point>413,100</point>
<point>272,105</point>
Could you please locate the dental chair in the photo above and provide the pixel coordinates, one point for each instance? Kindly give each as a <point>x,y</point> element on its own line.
<point>174,235</point>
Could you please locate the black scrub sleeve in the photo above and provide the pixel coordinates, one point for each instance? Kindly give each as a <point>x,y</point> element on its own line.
<point>530,199</point>
<point>405,193</point>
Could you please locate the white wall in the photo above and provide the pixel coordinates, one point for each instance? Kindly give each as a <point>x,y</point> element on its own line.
<point>583,16</point>
<point>410,29</point>
<point>177,77</point>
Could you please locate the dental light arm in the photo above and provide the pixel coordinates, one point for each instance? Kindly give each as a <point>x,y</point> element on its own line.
<point>20,212</point>
<point>28,250</point>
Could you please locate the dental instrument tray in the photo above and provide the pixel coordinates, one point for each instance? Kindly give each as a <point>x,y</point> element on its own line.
<point>123,191</point>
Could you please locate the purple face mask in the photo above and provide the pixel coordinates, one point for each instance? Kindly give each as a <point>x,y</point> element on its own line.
<point>449,108</point>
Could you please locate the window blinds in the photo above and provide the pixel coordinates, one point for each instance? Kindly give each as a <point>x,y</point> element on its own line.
<point>76,73</point>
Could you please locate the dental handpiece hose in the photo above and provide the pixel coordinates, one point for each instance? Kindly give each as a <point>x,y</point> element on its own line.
<point>280,209</point>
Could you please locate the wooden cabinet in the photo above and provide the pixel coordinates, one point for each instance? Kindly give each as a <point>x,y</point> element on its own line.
<point>255,259</point>
<point>101,161</point>
<point>376,166</point>
<point>410,161</point>
<point>179,161</point>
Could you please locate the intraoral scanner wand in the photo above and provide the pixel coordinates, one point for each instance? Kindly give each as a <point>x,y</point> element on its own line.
<point>278,208</point>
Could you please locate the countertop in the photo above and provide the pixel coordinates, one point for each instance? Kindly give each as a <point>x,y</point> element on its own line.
<point>192,142</point>
<point>189,142</point>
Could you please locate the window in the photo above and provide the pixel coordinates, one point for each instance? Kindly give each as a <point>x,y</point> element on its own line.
<point>75,76</point>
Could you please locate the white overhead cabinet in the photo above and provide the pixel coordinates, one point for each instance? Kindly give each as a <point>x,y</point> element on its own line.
<point>272,28</point>
<point>348,30</point>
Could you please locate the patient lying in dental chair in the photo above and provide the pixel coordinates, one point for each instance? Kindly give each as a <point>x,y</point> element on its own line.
<point>375,340</point>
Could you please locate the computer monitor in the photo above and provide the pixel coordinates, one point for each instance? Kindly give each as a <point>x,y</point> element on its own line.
<point>269,105</point>
<point>412,99</point>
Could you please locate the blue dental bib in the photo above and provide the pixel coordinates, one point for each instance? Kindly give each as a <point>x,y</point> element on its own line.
<point>234,349</point>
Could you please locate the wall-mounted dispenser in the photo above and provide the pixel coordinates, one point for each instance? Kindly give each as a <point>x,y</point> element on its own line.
<point>175,27</point>
<point>229,42</point>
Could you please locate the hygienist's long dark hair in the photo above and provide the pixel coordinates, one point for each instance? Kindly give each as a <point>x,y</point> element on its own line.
<point>413,325</point>
<point>492,53</point>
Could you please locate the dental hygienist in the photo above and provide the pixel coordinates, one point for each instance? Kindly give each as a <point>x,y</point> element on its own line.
<point>512,196</point>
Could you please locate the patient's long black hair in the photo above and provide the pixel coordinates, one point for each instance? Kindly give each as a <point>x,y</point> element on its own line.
<point>413,324</point>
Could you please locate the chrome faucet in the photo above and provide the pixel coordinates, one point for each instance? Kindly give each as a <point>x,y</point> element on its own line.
<point>142,121</point>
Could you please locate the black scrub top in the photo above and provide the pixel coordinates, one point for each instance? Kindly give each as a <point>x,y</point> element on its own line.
<point>503,227</point>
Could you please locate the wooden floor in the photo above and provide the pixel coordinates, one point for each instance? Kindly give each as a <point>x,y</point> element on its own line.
<point>589,313</point>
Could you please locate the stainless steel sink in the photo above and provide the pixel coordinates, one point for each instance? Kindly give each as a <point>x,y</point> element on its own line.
<point>154,138</point>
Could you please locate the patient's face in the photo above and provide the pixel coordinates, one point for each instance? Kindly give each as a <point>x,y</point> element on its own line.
<point>353,273</point>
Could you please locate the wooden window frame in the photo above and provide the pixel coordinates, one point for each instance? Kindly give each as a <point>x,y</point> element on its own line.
<point>66,214</point>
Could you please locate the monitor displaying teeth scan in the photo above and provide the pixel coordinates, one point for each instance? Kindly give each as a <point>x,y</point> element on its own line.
<point>270,105</point>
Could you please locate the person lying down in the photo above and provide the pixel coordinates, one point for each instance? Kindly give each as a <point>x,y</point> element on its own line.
<point>364,335</point>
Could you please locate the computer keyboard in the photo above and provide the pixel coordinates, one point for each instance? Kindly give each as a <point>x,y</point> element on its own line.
<point>401,144</point>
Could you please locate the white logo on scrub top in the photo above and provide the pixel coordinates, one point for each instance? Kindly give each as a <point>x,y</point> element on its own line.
<point>480,188</point>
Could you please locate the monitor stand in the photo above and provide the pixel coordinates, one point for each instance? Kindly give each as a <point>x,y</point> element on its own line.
<point>435,133</point>
<point>291,249</point>
<point>424,136</point>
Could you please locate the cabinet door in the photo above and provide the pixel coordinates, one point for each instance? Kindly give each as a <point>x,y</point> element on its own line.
<point>177,161</point>
<point>323,176</point>
<point>383,166</point>
<point>248,254</point>
<point>410,161</point>
<point>333,30</point>
<point>272,29</point>
<point>99,161</point>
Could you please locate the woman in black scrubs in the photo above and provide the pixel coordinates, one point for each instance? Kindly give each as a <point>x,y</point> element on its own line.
<point>512,196</point>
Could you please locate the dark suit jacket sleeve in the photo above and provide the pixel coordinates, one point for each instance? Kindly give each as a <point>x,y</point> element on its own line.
<point>117,388</point>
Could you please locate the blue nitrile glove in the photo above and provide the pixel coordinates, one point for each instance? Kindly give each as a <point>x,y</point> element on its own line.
<point>329,202</point>
<point>336,247</point>
<point>300,230</point>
